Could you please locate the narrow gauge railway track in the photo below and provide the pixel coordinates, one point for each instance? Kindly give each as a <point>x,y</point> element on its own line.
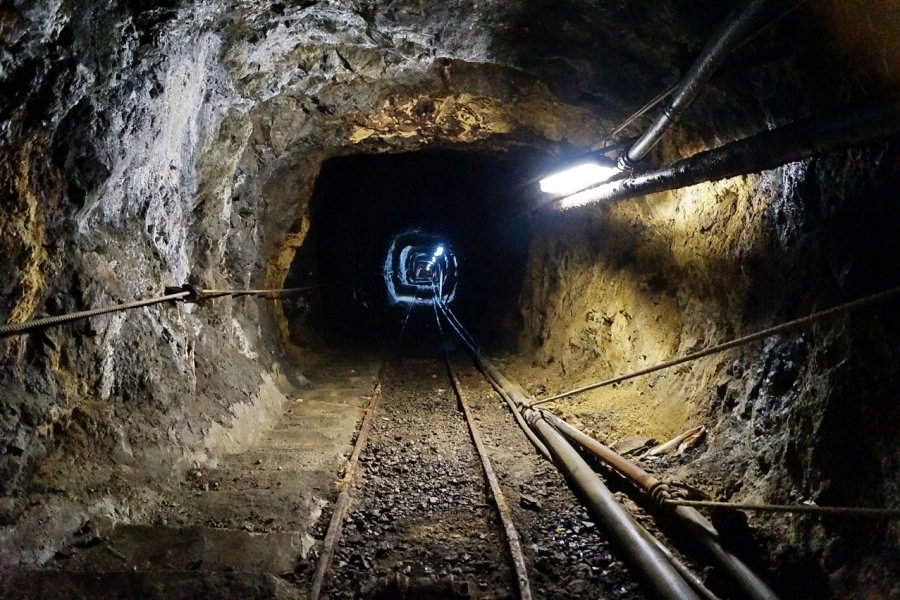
<point>423,522</point>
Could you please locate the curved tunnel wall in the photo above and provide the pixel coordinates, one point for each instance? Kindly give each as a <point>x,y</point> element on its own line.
<point>142,146</point>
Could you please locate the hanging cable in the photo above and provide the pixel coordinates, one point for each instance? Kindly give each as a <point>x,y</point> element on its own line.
<point>741,341</point>
<point>185,293</point>
<point>810,509</point>
<point>601,145</point>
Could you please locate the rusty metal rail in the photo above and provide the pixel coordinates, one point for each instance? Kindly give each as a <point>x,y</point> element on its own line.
<point>342,505</point>
<point>503,509</point>
<point>509,528</point>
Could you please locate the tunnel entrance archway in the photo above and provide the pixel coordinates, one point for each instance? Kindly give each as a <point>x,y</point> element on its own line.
<point>472,203</point>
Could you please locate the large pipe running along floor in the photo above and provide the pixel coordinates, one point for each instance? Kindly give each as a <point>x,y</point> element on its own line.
<point>655,564</point>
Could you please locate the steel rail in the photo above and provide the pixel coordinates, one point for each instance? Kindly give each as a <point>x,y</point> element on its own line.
<point>342,504</point>
<point>495,378</point>
<point>741,341</point>
<point>509,529</point>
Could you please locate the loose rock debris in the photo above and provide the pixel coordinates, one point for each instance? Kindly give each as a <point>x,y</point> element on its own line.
<point>423,524</point>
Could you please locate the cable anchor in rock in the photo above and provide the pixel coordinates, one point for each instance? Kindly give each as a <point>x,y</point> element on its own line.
<point>194,292</point>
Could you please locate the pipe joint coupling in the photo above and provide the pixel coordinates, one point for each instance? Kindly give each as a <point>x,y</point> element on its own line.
<point>625,164</point>
<point>661,494</point>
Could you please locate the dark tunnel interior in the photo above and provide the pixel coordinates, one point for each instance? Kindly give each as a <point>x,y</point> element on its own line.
<point>476,202</point>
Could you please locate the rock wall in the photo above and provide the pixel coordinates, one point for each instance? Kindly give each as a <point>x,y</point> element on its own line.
<point>805,416</point>
<point>146,145</point>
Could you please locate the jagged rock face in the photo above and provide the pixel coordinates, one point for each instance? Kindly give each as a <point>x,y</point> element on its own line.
<point>145,144</point>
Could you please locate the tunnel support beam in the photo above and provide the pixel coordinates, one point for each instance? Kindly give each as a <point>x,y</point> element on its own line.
<point>767,150</point>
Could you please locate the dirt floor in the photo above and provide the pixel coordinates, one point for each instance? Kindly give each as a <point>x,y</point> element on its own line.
<point>423,517</point>
<point>234,527</point>
<point>422,524</point>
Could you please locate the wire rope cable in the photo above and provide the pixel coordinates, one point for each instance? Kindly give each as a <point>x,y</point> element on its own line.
<point>741,341</point>
<point>186,292</point>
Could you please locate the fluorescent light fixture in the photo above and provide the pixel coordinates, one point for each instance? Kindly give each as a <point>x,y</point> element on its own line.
<point>577,178</point>
<point>439,251</point>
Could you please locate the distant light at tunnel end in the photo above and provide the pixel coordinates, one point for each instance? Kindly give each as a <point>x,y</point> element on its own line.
<point>577,178</point>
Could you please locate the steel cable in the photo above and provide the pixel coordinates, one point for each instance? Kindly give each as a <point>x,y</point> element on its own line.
<point>848,511</point>
<point>11,329</point>
<point>741,341</point>
<point>20,328</point>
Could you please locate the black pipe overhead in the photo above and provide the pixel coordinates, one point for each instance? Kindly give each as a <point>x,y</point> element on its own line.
<point>767,150</point>
<point>736,28</point>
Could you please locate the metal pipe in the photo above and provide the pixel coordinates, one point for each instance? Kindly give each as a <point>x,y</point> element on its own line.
<point>637,475</point>
<point>736,28</point>
<point>702,530</point>
<point>654,565</point>
<point>679,566</point>
<point>593,488</point>
<point>645,555</point>
<point>767,150</point>
<point>708,537</point>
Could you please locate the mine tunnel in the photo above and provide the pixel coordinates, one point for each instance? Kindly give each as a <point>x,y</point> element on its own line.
<point>375,217</point>
<point>457,299</point>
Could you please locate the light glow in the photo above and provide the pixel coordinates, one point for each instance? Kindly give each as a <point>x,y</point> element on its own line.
<point>577,178</point>
<point>407,255</point>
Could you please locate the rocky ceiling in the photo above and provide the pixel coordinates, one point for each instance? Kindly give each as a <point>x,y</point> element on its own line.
<point>194,126</point>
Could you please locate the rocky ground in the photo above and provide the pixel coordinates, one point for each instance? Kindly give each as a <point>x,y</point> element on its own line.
<point>233,527</point>
<point>423,519</point>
